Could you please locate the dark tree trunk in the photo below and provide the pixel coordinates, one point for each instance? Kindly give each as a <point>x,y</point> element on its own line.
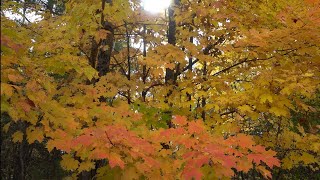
<point>105,46</point>
<point>171,75</point>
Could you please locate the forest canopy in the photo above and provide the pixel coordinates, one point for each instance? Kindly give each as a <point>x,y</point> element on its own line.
<point>206,89</point>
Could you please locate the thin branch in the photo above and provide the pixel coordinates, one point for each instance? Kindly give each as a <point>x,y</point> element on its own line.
<point>127,97</point>
<point>128,51</point>
<point>245,60</point>
<point>152,86</point>
<point>121,68</point>
<point>228,112</point>
<point>79,47</point>
<point>109,139</point>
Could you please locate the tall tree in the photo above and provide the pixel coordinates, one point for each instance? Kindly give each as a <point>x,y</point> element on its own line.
<point>232,75</point>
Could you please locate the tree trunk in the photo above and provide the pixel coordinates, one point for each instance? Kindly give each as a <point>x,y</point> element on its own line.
<point>171,76</point>
<point>105,46</point>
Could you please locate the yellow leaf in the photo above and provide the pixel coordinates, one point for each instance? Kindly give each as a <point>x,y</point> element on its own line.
<point>157,72</point>
<point>6,127</point>
<point>315,146</point>
<point>17,136</point>
<point>266,173</point>
<point>68,162</point>
<point>247,85</point>
<point>253,115</point>
<point>301,129</point>
<point>265,97</point>
<point>308,75</point>
<point>86,166</point>
<point>287,163</point>
<point>244,108</point>
<point>6,89</point>
<point>188,90</point>
<point>34,134</point>
<point>130,173</point>
<point>170,66</point>
<point>5,106</point>
<point>278,111</point>
<point>89,72</point>
<point>307,158</point>
<point>212,106</point>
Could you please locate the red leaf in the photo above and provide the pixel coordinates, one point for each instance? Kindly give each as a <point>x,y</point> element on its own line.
<point>196,127</point>
<point>151,162</point>
<point>99,154</point>
<point>214,150</point>
<point>198,162</point>
<point>245,141</point>
<point>189,154</point>
<point>244,165</point>
<point>115,160</point>
<point>30,102</point>
<point>180,120</point>
<point>265,157</point>
<point>229,161</point>
<point>15,77</point>
<point>259,149</point>
<point>84,140</point>
<point>6,41</point>
<point>192,173</point>
<point>188,142</point>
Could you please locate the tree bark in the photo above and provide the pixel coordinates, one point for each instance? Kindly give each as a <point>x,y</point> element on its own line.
<point>171,76</point>
<point>104,54</point>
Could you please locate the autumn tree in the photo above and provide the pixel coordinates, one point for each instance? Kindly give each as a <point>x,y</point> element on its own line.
<point>211,90</point>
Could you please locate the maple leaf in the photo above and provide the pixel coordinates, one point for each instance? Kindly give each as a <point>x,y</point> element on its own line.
<point>279,111</point>
<point>85,140</point>
<point>245,141</point>
<point>267,157</point>
<point>7,41</point>
<point>17,136</point>
<point>245,108</point>
<point>86,166</point>
<point>244,165</point>
<point>25,106</point>
<point>192,173</point>
<point>6,89</point>
<point>196,127</point>
<point>264,172</point>
<point>6,127</point>
<point>115,160</point>
<point>228,71</point>
<point>266,97</point>
<point>68,162</point>
<point>34,134</point>
<point>307,158</point>
<point>228,161</point>
<point>15,77</point>
<point>200,161</point>
<point>180,120</point>
<point>99,154</point>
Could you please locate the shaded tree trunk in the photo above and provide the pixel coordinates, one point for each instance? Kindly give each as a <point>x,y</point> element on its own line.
<point>171,75</point>
<point>101,51</point>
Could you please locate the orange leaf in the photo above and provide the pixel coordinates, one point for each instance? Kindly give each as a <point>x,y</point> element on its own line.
<point>192,173</point>
<point>115,160</point>
<point>180,120</point>
<point>245,141</point>
<point>15,78</point>
<point>196,127</point>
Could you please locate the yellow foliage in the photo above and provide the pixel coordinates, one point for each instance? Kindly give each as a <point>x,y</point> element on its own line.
<point>17,136</point>
<point>69,163</point>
